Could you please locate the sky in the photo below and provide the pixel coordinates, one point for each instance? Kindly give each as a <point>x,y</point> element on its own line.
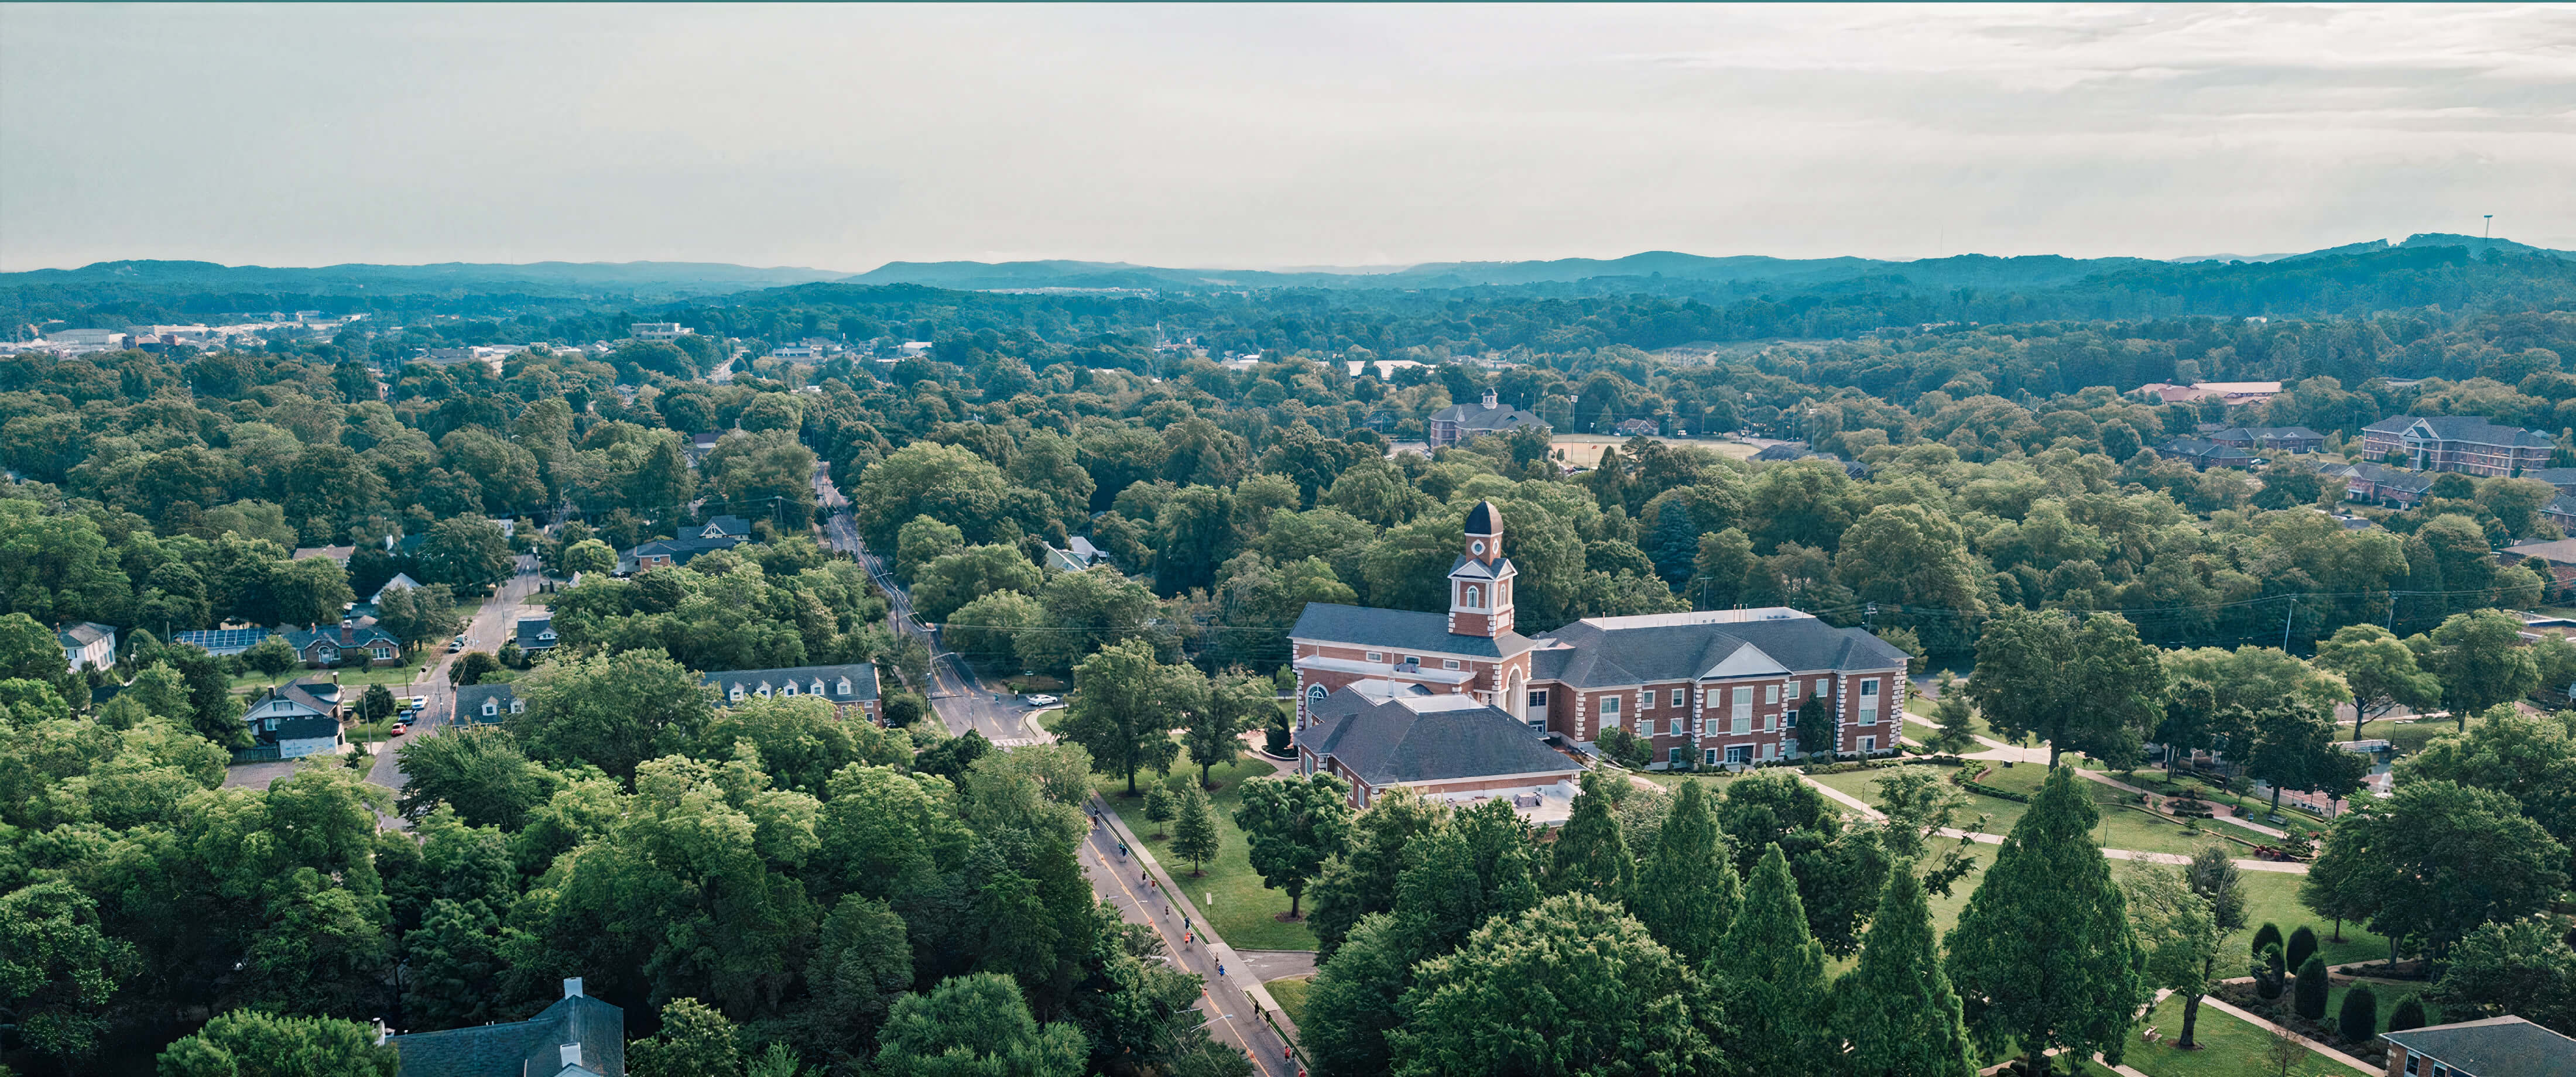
<point>1248,136</point>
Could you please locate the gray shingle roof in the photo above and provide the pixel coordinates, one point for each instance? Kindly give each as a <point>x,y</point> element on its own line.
<point>1477,418</point>
<point>2496,1047</point>
<point>307,728</point>
<point>522,1047</point>
<point>1399,630</point>
<point>536,633</point>
<point>2474,429</point>
<point>862,675</point>
<point>1617,651</point>
<point>1386,742</point>
<point>2561,477</point>
<point>469,702</point>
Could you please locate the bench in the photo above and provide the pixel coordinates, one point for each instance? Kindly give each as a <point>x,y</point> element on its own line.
<point>2276,820</point>
<point>2152,1034</point>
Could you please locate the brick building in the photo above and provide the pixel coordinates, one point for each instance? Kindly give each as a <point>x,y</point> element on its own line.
<point>1710,687</point>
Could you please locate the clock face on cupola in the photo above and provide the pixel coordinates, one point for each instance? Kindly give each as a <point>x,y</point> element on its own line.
<point>1480,584</point>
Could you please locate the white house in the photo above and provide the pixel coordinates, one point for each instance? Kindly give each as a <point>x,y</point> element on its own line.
<point>88,643</point>
<point>657,330</point>
<point>296,721</point>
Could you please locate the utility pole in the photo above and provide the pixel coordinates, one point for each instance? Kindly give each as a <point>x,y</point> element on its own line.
<point>2286,618</point>
<point>2490,232</point>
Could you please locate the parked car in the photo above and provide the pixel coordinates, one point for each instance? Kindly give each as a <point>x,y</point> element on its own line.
<point>401,728</point>
<point>1037,699</point>
<point>418,702</point>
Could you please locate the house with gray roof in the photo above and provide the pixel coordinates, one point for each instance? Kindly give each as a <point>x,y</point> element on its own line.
<point>536,635</point>
<point>2380,483</point>
<point>720,526</point>
<point>2463,443</point>
<point>1705,688</point>
<point>578,1036</point>
<point>2505,1046</point>
<point>1377,735</point>
<point>87,643</point>
<point>662,553</point>
<point>2292,439</point>
<point>488,704</point>
<point>1460,422</point>
<point>297,720</point>
<point>2204,454</point>
<point>848,687</point>
<point>325,645</point>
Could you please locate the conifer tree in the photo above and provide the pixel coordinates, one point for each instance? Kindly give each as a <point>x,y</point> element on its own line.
<point>2044,954</point>
<point>1895,1008</point>
<point>1591,856</point>
<point>1770,974</point>
<point>1194,836</point>
<point>1686,891</point>
<point>1159,807</point>
<point>2309,997</point>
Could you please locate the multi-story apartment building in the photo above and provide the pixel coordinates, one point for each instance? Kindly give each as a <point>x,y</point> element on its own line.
<point>1711,687</point>
<point>1459,422</point>
<point>2463,443</point>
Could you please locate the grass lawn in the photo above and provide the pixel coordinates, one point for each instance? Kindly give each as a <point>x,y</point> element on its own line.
<point>1290,993</point>
<point>2389,996</point>
<point>2407,737</point>
<point>1244,912</point>
<point>2273,897</point>
<point>405,673</point>
<point>2228,1047</point>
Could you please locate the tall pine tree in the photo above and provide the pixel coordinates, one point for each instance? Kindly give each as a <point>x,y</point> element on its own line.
<point>1591,855</point>
<point>1770,975</point>
<point>2044,955</point>
<point>1896,1009</point>
<point>1686,891</point>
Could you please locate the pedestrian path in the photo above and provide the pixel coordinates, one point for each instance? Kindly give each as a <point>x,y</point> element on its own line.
<point>1196,949</point>
<point>2115,783</point>
<point>1877,816</point>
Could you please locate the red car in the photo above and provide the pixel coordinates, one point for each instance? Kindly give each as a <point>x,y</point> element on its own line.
<point>401,728</point>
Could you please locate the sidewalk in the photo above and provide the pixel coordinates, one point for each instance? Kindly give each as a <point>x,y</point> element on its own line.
<point>2267,1026</point>
<point>1877,816</point>
<point>2238,820</point>
<point>1239,976</point>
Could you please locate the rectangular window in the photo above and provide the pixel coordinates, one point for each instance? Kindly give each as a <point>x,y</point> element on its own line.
<point>1377,656</point>
<point>1793,690</point>
<point>1869,744</point>
<point>1609,707</point>
<point>1823,686</point>
<point>2411,1060</point>
<point>1538,697</point>
<point>1646,727</point>
<point>1791,720</point>
<point>1676,757</point>
<point>1770,693</point>
<point>1740,718</point>
<point>1770,750</point>
<point>1739,753</point>
<point>1646,700</point>
<point>1681,698</point>
<point>1711,757</point>
<point>1448,663</point>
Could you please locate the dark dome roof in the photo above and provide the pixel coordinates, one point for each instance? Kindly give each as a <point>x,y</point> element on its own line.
<point>1484,519</point>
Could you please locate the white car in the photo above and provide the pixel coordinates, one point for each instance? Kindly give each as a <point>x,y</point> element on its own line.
<point>1038,700</point>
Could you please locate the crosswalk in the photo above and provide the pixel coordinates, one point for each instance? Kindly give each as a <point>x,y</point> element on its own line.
<point>1014,742</point>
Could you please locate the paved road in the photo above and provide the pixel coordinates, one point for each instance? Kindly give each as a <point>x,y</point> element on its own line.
<point>964,702</point>
<point>491,626</point>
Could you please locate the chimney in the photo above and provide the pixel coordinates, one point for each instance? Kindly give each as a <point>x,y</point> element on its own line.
<point>571,1053</point>
<point>1492,401</point>
<point>572,987</point>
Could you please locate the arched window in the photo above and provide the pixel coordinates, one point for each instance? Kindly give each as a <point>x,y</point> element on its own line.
<point>1314,696</point>
<point>1475,597</point>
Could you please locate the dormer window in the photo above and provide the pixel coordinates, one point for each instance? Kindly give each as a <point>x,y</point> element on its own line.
<point>518,706</point>
<point>491,707</point>
<point>787,689</point>
<point>844,686</point>
<point>735,695</point>
<point>763,690</point>
<point>818,686</point>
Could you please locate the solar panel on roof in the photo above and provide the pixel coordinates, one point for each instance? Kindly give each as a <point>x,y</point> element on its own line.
<point>213,638</point>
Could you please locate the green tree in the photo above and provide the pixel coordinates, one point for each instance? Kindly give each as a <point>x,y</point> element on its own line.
<point>695,1041</point>
<point>376,704</point>
<point>2086,686</point>
<point>2301,946</point>
<point>2293,748</point>
<point>2044,951</point>
<point>1237,702</point>
<point>452,964</point>
<point>1958,732</point>
<point>1291,825</point>
<point>975,1026</point>
<point>1357,998</point>
<point>1194,834</point>
<point>588,557</point>
<point>2531,759</point>
<point>611,711</point>
<point>1591,856</point>
<point>249,1043</point>
<point>467,553</point>
<point>2434,860</point>
<point>1895,1008</point>
<point>2481,662</point>
<point>2381,671</point>
<point>417,615</point>
<point>987,631</point>
<point>943,482</point>
<point>2522,967</point>
<point>862,964</point>
<point>1573,986</point>
<point>2408,1013</point>
<point>272,656</point>
<point>470,668</point>
<point>1919,805</point>
<point>1771,973</point>
<point>1905,555</point>
<point>2308,996</point>
<point>1363,879</point>
<point>58,970</point>
<point>1122,708</point>
<point>2357,1020</point>
<point>308,592</point>
<point>2181,938</point>
<point>941,587</point>
<point>1160,806</point>
<point>1477,866</point>
<point>1687,891</point>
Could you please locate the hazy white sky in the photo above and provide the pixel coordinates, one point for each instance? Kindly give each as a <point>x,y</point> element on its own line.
<point>1248,136</point>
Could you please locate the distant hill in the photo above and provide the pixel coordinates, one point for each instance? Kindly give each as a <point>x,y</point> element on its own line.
<point>654,281</point>
<point>1971,269</point>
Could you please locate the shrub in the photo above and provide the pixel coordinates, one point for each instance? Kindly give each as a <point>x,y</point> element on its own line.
<point>2301,947</point>
<point>2268,974</point>
<point>2309,999</point>
<point>1627,749</point>
<point>2358,1020</point>
<point>2266,937</point>
<point>2409,1013</point>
